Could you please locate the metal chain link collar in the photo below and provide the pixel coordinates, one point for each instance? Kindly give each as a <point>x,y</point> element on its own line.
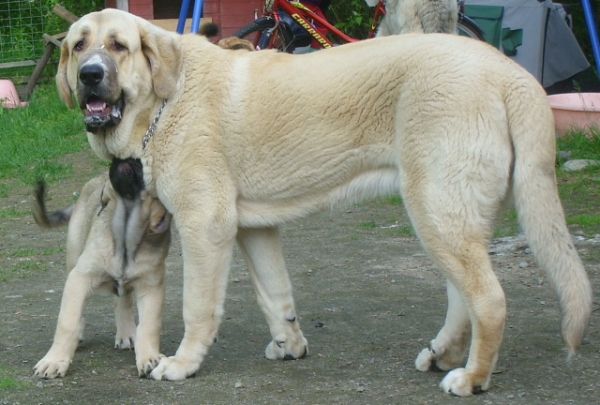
<point>152,126</point>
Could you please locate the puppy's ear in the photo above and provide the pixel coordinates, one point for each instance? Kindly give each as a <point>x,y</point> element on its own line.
<point>108,193</point>
<point>64,91</point>
<point>163,51</point>
<point>160,219</point>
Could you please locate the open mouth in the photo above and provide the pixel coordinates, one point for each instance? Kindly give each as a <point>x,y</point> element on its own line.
<point>100,114</point>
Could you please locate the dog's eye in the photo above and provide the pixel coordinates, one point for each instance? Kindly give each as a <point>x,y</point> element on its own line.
<point>78,46</point>
<point>119,46</point>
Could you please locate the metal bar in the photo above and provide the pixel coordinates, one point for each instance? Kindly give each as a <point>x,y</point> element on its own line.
<point>185,6</point>
<point>591,26</point>
<point>196,15</point>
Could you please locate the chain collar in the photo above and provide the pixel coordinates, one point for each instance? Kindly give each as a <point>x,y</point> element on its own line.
<point>152,126</point>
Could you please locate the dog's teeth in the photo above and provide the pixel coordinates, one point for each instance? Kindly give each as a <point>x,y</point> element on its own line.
<point>96,108</point>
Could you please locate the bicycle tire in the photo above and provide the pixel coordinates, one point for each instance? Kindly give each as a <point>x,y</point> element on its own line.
<point>258,33</point>
<point>468,28</point>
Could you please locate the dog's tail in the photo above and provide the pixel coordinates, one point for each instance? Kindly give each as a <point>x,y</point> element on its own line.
<point>209,29</point>
<point>540,212</point>
<point>44,218</point>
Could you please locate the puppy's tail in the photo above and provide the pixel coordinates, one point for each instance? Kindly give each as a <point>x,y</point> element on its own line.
<point>44,218</point>
<point>540,212</point>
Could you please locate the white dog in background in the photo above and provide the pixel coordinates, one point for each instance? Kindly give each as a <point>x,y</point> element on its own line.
<point>422,16</point>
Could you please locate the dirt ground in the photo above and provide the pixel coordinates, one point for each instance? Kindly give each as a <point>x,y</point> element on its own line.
<point>368,298</point>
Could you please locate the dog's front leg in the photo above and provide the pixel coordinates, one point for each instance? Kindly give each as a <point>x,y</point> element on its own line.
<point>125,320</point>
<point>264,255</point>
<point>207,247</point>
<point>150,297</point>
<point>55,363</point>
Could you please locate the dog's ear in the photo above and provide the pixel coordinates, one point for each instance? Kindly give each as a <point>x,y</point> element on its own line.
<point>160,218</point>
<point>64,91</point>
<point>163,51</point>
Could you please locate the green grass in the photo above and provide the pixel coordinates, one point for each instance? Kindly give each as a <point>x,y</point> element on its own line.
<point>7,382</point>
<point>12,212</point>
<point>35,137</point>
<point>581,146</point>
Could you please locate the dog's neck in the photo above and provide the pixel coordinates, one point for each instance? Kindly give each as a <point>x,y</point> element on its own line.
<point>125,140</point>
<point>152,127</point>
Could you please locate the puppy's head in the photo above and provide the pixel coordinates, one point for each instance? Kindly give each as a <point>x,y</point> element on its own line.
<point>111,59</point>
<point>127,177</point>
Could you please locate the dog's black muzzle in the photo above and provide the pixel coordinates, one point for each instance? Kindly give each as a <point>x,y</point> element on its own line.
<point>100,97</point>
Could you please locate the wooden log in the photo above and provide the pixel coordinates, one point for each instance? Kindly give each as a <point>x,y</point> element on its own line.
<point>39,67</point>
<point>22,63</point>
<point>64,13</point>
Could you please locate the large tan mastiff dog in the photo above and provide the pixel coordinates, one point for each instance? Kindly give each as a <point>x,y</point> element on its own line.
<point>117,245</point>
<point>236,143</point>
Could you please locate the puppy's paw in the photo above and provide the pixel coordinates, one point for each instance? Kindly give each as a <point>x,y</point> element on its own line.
<point>460,383</point>
<point>174,368</point>
<point>52,367</point>
<point>146,364</point>
<point>125,336</point>
<point>125,343</point>
<point>282,348</point>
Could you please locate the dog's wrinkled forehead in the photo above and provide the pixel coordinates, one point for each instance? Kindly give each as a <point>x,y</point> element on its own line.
<point>103,31</point>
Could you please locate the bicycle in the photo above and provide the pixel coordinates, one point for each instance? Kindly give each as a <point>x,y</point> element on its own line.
<point>288,24</point>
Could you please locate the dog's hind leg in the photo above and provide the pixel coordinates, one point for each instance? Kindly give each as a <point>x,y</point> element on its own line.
<point>263,253</point>
<point>453,205</point>
<point>447,351</point>
<point>125,320</point>
<point>466,264</point>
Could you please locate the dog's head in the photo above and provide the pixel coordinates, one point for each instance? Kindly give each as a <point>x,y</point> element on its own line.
<point>110,60</point>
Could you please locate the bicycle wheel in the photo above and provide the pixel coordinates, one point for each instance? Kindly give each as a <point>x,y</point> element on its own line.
<point>263,33</point>
<point>469,28</point>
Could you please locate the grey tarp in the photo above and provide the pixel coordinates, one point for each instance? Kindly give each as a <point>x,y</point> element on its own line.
<point>549,50</point>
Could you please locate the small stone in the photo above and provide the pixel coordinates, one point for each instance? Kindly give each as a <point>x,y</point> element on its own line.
<point>579,164</point>
<point>360,389</point>
<point>319,324</point>
<point>239,384</point>
<point>523,265</point>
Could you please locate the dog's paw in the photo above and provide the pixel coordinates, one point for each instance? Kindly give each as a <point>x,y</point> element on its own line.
<point>125,343</point>
<point>148,363</point>
<point>458,382</point>
<point>438,359</point>
<point>425,360</point>
<point>174,368</point>
<point>51,367</point>
<point>282,348</point>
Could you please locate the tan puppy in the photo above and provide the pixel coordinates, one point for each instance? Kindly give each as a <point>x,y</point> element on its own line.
<point>116,248</point>
<point>417,16</point>
<point>236,143</point>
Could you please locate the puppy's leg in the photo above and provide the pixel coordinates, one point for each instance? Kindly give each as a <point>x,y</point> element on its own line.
<point>150,297</point>
<point>207,247</point>
<point>69,326</point>
<point>125,320</point>
<point>263,253</point>
<point>448,349</point>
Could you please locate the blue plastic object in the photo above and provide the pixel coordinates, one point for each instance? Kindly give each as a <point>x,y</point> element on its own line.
<point>591,26</point>
<point>196,15</point>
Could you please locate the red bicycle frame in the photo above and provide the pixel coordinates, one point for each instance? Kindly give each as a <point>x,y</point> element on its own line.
<point>305,16</point>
